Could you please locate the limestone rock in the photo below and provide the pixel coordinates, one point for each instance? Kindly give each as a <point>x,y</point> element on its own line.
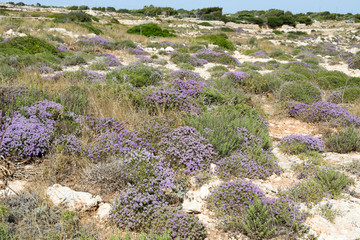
<point>103,211</point>
<point>64,196</point>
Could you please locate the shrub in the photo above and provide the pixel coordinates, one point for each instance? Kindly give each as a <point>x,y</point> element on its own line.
<point>300,91</point>
<point>219,40</point>
<point>179,225</point>
<point>353,61</point>
<point>221,127</point>
<point>186,149</point>
<point>217,57</point>
<point>331,79</point>
<point>274,22</point>
<point>139,168</point>
<point>323,112</point>
<point>30,45</point>
<point>29,135</point>
<point>150,30</point>
<point>307,191</point>
<point>351,95</point>
<point>353,167</point>
<point>206,24</point>
<point>226,29</point>
<point>171,99</point>
<point>335,97</point>
<point>257,221</point>
<point>97,40</point>
<point>138,74</point>
<point>218,68</point>
<point>187,58</point>
<point>69,144</point>
<point>125,44</point>
<point>332,181</point>
<point>231,201</point>
<point>185,75</point>
<point>344,141</point>
<point>236,76</point>
<point>141,211</point>
<point>241,164</point>
<point>295,144</point>
<point>72,60</point>
<point>31,216</point>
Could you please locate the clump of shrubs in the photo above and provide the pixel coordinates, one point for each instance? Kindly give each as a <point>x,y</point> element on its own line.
<point>219,40</point>
<point>150,30</point>
<point>323,112</point>
<point>344,141</point>
<point>234,202</point>
<point>217,57</point>
<point>186,58</point>
<point>186,149</point>
<point>300,91</point>
<point>138,74</point>
<point>296,144</point>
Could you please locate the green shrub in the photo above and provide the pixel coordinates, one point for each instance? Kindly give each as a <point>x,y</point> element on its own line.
<point>300,91</point>
<point>257,222</point>
<point>125,44</point>
<point>329,214</point>
<point>344,141</point>
<point>218,68</point>
<point>276,53</point>
<point>30,45</point>
<point>219,40</point>
<point>221,124</point>
<point>73,59</point>
<point>206,24</point>
<point>332,181</point>
<point>353,167</point>
<point>137,74</point>
<point>351,95</point>
<point>311,60</point>
<point>227,29</point>
<point>308,191</point>
<point>331,79</point>
<point>277,32</point>
<point>150,30</point>
<point>274,22</point>
<point>76,16</point>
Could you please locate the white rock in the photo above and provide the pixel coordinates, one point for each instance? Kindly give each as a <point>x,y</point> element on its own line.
<point>193,202</point>
<point>64,196</point>
<point>14,187</point>
<point>204,192</point>
<point>103,211</point>
<point>169,49</point>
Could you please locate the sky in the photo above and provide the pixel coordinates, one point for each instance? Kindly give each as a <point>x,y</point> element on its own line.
<point>229,6</point>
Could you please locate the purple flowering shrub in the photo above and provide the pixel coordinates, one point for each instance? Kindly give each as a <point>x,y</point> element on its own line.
<point>141,211</point>
<point>353,61</point>
<point>155,129</point>
<point>25,136</point>
<point>335,97</point>
<point>82,75</point>
<point>113,143</point>
<point>97,40</point>
<point>138,74</point>
<point>62,48</point>
<point>138,51</point>
<point>145,59</point>
<point>217,57</point>
<point>259,54</point>
<point>186,149</point>
<point>231,200</point>
<point>296,144</point>
<point>139,168</point>
<point>111,60</point>
<point>236,76</point>
<point>69,144</point>
<point>179,58</point>
<point>323,112</point>
<point>171,99</point>
<point>135,210</point>
<point>179,224</point>
<point>28,133</point>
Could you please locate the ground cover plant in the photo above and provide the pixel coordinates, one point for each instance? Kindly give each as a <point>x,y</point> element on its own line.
<point>157,116</point>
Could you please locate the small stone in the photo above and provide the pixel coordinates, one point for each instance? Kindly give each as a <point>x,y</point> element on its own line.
<point>103,211</point>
